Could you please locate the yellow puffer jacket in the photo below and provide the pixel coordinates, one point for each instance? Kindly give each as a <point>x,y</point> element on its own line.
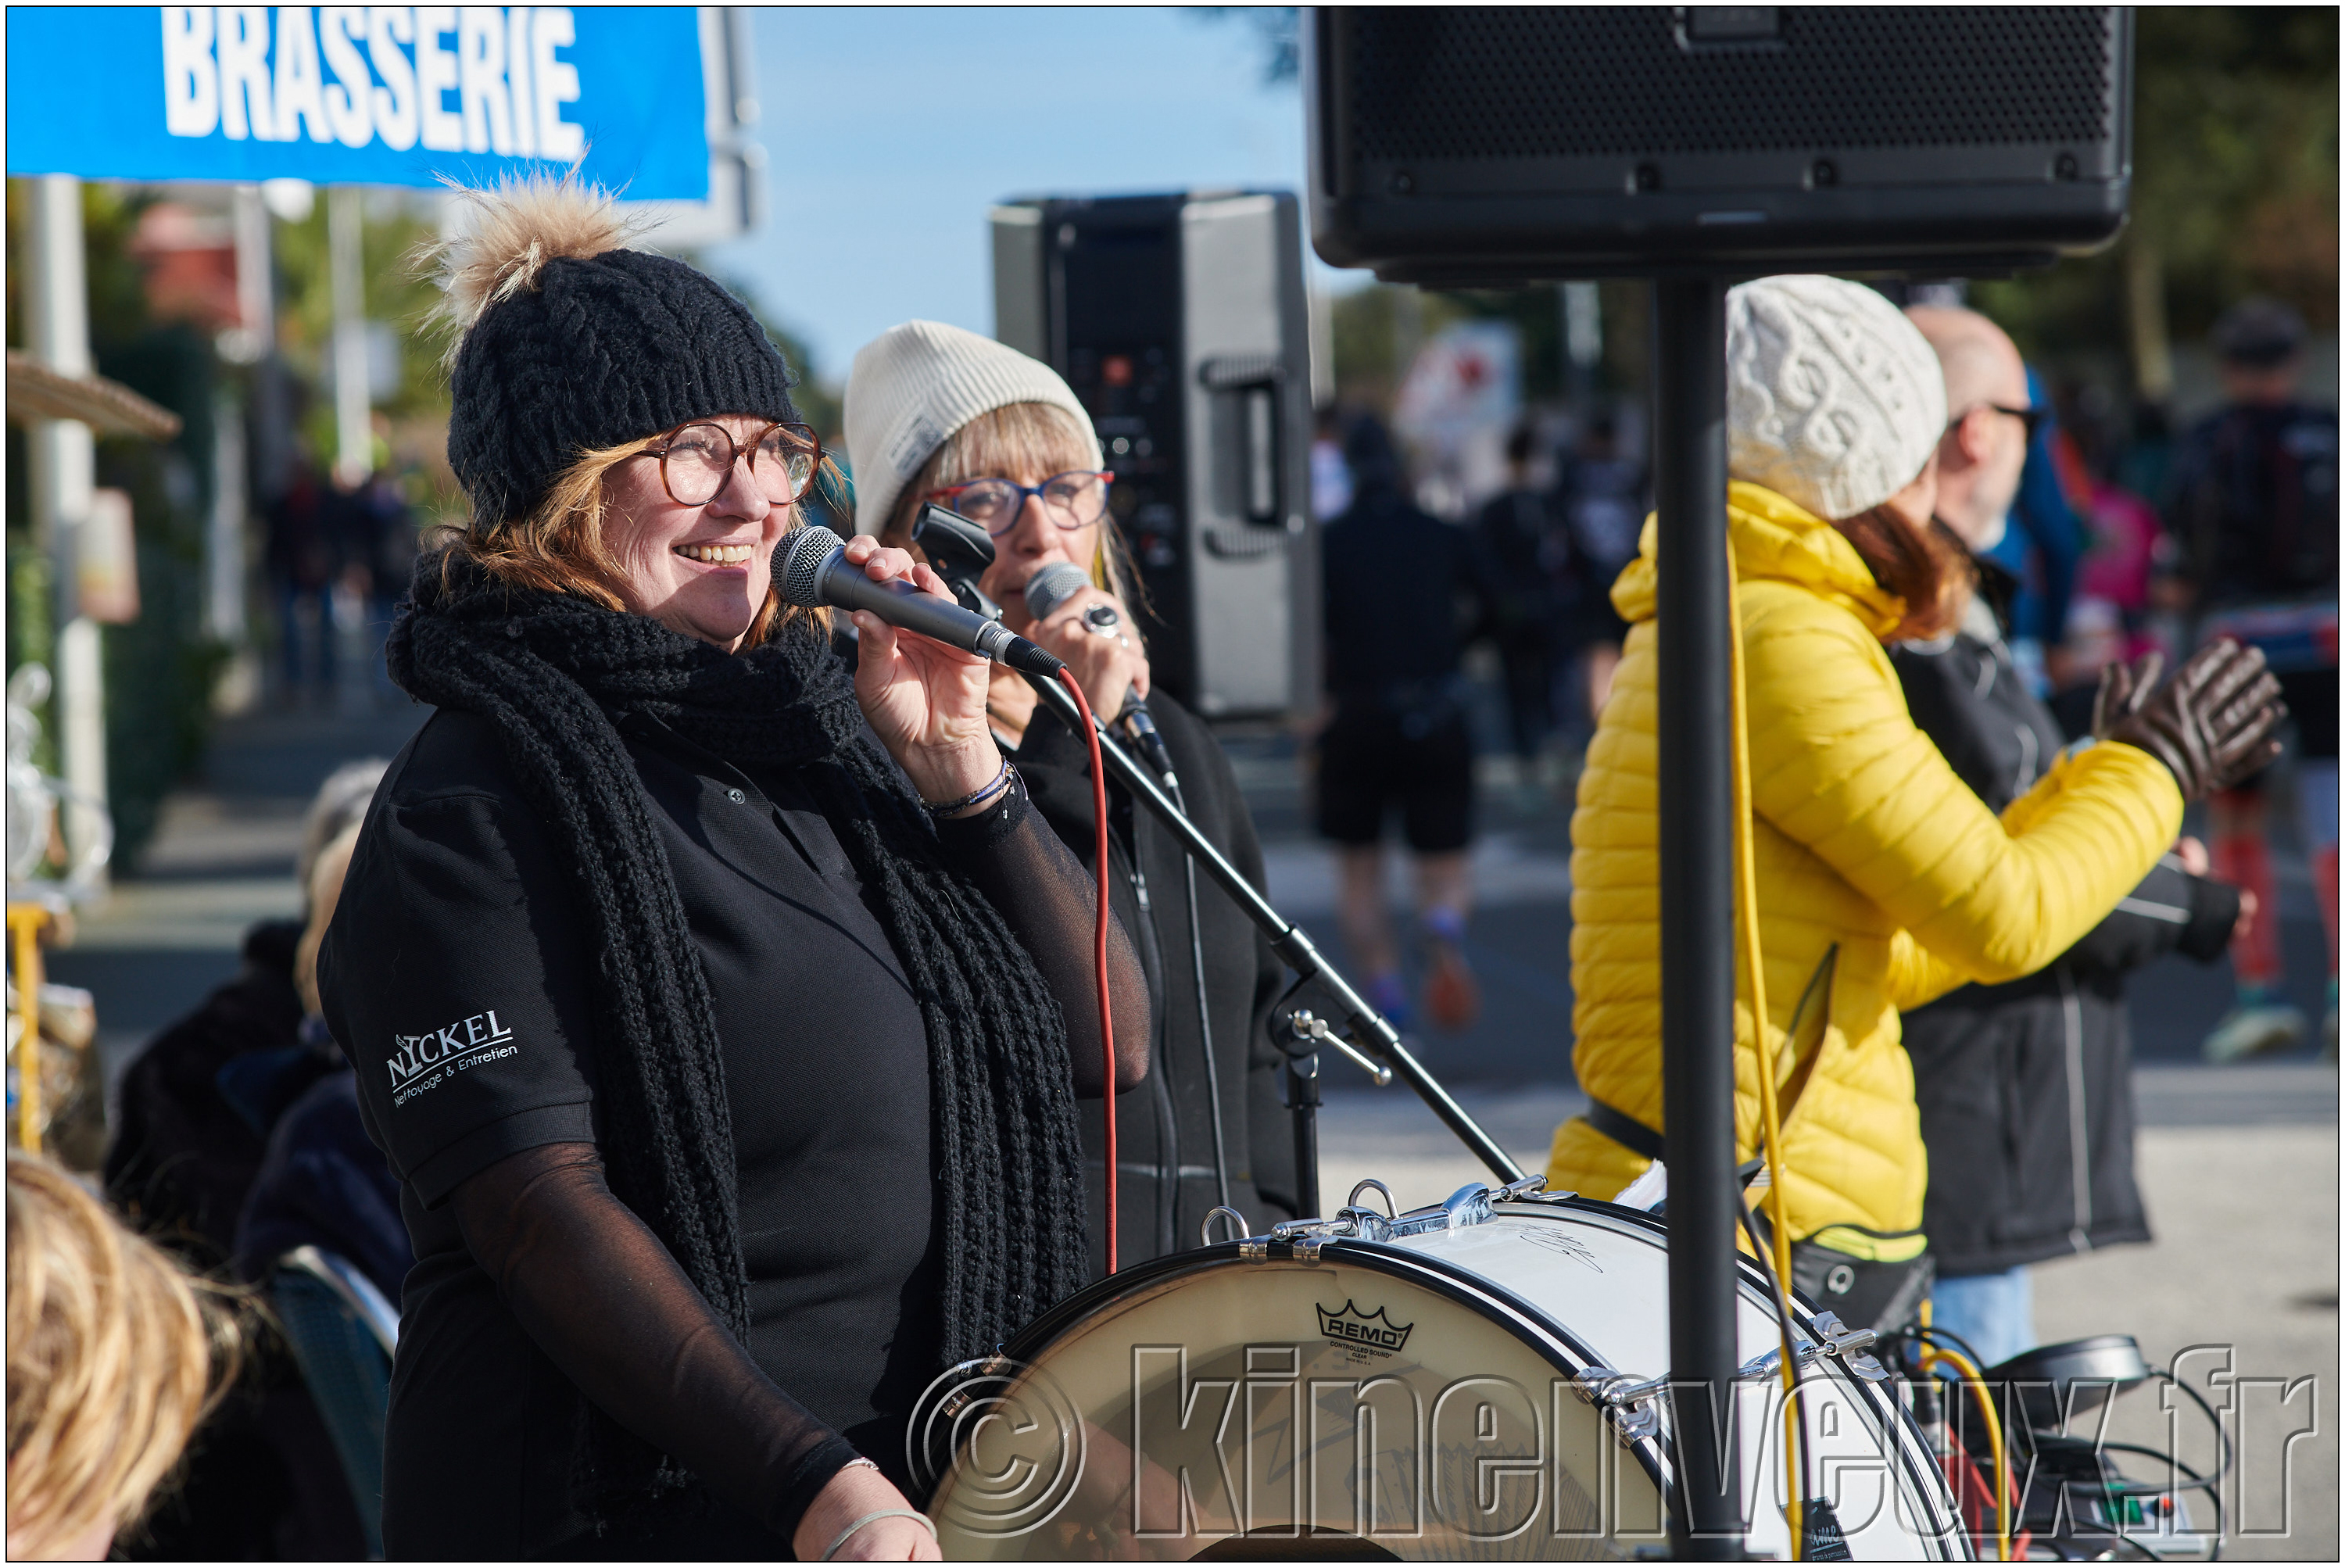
<point>1865,838</point>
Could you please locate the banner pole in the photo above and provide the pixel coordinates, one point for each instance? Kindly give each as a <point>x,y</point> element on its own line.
<point>64,474</point>
<point>345,242</point>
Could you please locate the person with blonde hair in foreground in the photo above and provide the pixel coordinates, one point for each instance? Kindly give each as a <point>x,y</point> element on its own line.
<point>115,1356</point>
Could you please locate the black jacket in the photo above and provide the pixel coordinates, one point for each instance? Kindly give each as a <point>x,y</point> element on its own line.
<point>1404,594</point>
<point>2026,1090</point>
<point>186,1149</point>
<point>1166,1124</point>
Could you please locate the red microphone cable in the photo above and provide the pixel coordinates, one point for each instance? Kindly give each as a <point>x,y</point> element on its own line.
<point>1099,947</point>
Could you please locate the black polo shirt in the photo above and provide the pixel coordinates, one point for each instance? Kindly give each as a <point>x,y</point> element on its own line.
<point>457,974</point>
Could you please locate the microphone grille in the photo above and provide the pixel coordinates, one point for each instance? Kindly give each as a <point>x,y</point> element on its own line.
<point>1053,585</point>
<point>811,549</point>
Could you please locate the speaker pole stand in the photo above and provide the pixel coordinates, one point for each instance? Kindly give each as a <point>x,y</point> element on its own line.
<point>1697,907</point>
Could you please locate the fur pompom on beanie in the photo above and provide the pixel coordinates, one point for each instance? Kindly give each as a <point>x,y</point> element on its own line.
<point>567,342</point>
<point>1833,400</point>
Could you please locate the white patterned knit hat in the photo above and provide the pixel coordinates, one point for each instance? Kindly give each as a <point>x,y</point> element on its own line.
<point>915,385</point>
<point>1834,399</point>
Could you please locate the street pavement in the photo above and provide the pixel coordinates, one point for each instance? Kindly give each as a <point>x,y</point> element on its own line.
<point>2238,1166</point>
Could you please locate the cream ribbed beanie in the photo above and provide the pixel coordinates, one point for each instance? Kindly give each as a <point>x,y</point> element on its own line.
<point>1834,399</point>
<point>915,385</point>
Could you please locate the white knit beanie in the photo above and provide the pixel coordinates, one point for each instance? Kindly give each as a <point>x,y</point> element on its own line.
<point>914,385</point>
<point>1834,399</point>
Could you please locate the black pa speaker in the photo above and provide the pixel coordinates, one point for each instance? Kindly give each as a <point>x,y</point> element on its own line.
<point>1458,145</point>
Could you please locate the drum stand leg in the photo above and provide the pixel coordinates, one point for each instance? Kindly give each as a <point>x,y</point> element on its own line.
<point>1303,1103</point>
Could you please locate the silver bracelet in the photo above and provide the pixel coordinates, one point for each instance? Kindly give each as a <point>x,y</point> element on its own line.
<point>873,1519</point>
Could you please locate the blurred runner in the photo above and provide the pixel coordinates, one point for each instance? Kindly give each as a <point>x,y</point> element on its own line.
<point>1525,540</point>
<point>2253,509</point>
<point>1405,593</point>
<point>302,561</point>
<point>1605,499</point>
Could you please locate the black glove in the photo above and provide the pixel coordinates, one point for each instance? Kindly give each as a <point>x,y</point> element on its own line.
<point>2124,690</point>
<point>2211,724</point>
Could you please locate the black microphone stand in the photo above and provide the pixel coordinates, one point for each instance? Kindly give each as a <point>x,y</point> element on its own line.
<point>1371,1041</point>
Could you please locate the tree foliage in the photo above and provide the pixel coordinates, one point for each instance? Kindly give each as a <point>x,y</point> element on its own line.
<point>2235,182</point>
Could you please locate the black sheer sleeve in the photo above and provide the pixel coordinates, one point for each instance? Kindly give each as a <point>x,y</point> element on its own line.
<point>601,1295</point>
<point>1047,897</point>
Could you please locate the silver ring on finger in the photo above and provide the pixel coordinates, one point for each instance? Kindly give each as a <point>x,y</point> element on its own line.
<point>1100,617</point>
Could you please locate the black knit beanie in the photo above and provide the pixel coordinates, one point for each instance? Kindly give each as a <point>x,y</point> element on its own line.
<point>593,352</point>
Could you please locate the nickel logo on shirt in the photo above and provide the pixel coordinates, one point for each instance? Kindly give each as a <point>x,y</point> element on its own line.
<point>421,1062</point>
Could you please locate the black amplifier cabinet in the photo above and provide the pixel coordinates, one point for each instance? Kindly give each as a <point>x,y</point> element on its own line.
<point>1498,144</point>
<point>1181,323</point>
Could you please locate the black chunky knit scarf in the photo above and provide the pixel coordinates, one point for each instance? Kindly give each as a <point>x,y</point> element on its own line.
<point>554,673</point>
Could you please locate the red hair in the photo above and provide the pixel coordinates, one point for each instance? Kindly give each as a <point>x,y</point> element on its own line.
<point>1923,565</point>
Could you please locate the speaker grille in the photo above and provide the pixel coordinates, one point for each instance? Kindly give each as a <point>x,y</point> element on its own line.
<point>1479,81</point>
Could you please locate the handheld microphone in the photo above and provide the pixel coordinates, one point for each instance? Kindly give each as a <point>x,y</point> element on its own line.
<point>1051,586</point>
<point>816,571</point>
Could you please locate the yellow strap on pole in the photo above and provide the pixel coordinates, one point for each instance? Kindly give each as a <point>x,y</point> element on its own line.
<point>1746,895</point>
<point>24,922</point>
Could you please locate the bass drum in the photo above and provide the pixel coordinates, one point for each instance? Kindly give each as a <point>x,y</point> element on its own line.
<point>1456,1384</point>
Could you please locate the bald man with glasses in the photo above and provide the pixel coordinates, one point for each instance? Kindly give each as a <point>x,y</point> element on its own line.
<point>2026,1089</point>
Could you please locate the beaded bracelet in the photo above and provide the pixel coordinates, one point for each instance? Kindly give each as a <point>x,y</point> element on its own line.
<point>993,787</point>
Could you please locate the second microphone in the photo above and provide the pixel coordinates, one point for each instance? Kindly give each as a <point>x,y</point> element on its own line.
<point>816,572</point>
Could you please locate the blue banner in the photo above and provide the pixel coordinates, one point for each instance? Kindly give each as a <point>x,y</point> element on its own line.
<point>360,95</point>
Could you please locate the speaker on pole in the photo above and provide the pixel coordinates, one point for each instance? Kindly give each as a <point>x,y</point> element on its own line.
<point>1485,144</point>
<point>1496,145</point>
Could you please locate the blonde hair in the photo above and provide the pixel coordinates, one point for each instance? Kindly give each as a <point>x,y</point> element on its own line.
<point>558,547</point>
<point>115,1354</point>
<point>1018,438</point>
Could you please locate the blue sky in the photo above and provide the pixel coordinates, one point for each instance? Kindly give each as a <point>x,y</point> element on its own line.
<point>889,132</point>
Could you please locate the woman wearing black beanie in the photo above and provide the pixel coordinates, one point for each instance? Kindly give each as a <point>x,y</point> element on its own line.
<point>723,1020</point>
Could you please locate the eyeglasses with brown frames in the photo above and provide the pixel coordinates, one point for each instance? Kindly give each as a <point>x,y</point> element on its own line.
<point>698,456</point>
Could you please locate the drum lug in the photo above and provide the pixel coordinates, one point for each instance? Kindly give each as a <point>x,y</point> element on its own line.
<point>1305,1237</point>
<point>1468,1205</point>
<point>1530,1189</point>
<point>1632,1404</point>
<point>1849,1345</point>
